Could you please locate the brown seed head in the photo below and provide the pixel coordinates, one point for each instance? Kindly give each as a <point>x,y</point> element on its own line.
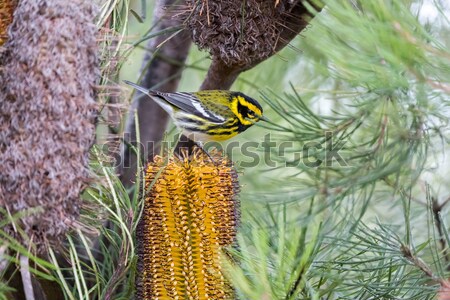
<point>238,32</point>
<point>48,110</point>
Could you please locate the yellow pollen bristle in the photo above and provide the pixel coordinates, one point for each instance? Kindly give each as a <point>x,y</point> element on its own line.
<point>6,16</point>
<point>190,214</point>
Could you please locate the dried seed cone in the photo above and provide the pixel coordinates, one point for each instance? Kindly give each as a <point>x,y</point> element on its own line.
<point>6,15</point>
<point>190,213</point>
<point>47,114</point>
<point>239,32</point>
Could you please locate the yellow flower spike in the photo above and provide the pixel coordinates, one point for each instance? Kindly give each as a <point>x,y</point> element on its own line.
<point>6,16</point>
<point>190,213</point>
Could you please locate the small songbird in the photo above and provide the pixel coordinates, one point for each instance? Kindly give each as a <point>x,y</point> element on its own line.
<point>208,115</point>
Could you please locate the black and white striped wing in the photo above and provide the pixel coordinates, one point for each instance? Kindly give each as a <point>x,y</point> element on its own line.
<point>190,104</point>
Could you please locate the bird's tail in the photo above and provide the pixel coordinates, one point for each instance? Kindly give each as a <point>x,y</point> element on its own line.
<point>156,96</point>
<point>139,88</point>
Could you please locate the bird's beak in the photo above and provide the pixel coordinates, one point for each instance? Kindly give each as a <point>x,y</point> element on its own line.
<point>139,88</point>
<point>265,119</point>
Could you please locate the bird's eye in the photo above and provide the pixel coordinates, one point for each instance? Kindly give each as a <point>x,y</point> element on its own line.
<point>251,114</point>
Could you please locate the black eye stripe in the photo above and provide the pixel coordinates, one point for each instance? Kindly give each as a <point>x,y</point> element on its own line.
<point>243,110</point>
<point>243,106</point>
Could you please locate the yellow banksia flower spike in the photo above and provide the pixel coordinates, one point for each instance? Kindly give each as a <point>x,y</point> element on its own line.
<point>190,214</point>
<point>6,16</point>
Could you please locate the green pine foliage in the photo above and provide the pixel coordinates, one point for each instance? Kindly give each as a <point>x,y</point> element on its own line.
<point>367,127</point>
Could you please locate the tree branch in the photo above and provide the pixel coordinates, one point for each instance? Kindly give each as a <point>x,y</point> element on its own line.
<point>164,60</point>
<point>222,75</point>
<point>437,209</point>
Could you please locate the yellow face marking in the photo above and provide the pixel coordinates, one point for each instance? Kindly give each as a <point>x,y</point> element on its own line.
<point>234,109</point>
<point>250,106</point>
<point>243,102</point>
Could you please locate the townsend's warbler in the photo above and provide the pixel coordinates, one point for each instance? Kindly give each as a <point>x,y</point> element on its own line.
<point>208,115</point>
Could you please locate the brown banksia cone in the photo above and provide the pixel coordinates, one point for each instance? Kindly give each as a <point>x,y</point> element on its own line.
<point>47,113</point>
<point>240,32</point>
<point>6,15</point>
<point>190,215</point>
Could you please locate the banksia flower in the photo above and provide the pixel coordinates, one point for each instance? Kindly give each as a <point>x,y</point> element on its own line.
<point>190,214</point>
<point>241,32</point>
<point>47,104</point>
<point>6,15</point>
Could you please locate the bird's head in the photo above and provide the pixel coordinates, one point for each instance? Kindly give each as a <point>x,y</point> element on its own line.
<point>246,109</point>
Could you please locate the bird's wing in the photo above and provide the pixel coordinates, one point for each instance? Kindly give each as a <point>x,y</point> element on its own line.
<point>191,105</point>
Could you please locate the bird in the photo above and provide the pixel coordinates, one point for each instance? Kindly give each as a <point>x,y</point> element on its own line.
<point>208,115</point>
